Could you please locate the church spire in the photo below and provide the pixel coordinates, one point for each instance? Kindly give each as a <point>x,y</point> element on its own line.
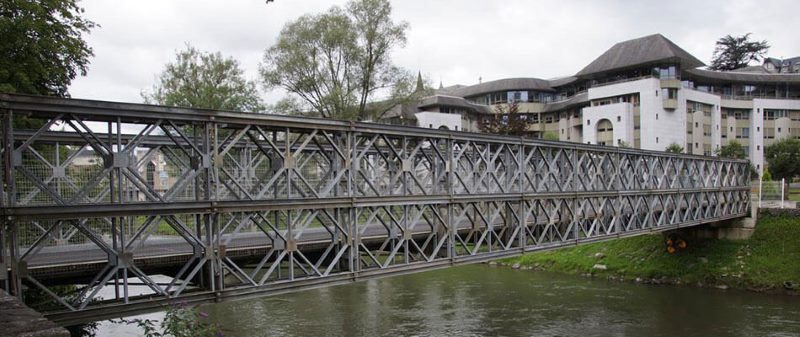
<point>420,84</point>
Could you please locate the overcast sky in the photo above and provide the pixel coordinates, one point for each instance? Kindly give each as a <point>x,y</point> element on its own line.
<point>454,41</point>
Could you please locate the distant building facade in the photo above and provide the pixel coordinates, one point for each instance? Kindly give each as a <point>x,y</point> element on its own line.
<point>645,93</point>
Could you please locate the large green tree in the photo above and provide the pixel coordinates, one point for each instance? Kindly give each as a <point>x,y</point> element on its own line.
<point>204,80</point>
<point>783,158</point>
<point>41,46</point>
<point>339,61</point>
<point>733,52</point>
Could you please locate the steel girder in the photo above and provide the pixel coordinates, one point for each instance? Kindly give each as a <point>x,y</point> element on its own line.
<point>109,195</point>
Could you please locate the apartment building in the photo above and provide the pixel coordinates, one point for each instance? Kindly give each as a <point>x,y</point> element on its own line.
<point>644,93</point>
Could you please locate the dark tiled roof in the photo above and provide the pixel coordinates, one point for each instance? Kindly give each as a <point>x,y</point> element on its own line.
<point>579,98</point>
<point>448,90</point>
<point>561,81</point>
<point>748,77</point>
<point>438,100</point>
<point>503,85</point>
<point>644,50</point>
<point>752,69</point>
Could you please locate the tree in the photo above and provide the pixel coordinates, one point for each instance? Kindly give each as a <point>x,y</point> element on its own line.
<point>288,106</point>
<point>733,150</point>
<point>338,61</point>
<point>733,52</point>
<point>42,46</point>
<point>783,158</point>
<point>550,135</point>
<point>674,148</point>
<point>204,80</point>
<point>506,120</point>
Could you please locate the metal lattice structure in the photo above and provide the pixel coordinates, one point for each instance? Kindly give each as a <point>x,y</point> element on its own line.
<point>104,195</point>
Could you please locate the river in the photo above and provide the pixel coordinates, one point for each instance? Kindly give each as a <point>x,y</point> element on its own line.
<point>480,300</point>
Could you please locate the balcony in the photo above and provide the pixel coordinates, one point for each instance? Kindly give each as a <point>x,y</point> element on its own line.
<point>670,103</point>
<point>671,83</point>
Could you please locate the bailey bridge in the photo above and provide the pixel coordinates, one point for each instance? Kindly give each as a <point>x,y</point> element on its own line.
<point>112,209</point>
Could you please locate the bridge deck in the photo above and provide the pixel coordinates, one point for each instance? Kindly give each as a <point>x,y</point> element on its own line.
<point>230,205</point>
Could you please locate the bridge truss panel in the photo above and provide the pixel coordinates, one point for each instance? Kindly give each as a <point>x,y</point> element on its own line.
<point>102,195</point>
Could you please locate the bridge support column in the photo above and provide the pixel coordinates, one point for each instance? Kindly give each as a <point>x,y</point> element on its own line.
<point>734,229</point>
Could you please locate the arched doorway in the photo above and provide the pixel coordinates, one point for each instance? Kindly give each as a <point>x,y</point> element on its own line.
<point>605,132</point>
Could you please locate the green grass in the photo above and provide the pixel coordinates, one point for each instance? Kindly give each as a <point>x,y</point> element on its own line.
<point>770,257</point>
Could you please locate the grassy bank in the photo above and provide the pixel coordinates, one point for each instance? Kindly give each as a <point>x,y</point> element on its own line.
<point>766,261</point>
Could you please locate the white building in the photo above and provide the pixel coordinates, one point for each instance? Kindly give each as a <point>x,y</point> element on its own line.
<point>645,93</point>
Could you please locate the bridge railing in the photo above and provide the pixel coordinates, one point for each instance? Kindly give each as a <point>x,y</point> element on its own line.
<point>251,200</point>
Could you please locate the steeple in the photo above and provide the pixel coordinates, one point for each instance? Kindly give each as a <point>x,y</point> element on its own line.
<point>420,85</point>
<point>440,85</point>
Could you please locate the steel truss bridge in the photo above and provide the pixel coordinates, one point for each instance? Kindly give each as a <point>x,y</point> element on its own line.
<point>100,197</point>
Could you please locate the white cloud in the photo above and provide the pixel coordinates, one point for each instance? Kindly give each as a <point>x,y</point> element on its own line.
<point>452,41</point>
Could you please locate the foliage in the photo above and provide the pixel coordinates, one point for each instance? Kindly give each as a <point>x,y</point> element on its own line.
<point>42,46</point>
<point>550,135</point>
<point>766,176</point>
<point>783,158</point>
<point>733,52</point>
<point>180,320</point>
<point>289,106</point>
<point>204,80</point>
<point>506,120</point>
<point>733,150</point>
<point>339,60</point>
<point>674,148</point>
<point>764,261</point>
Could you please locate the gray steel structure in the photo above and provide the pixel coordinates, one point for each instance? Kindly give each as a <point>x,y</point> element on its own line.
<point>251,204</point>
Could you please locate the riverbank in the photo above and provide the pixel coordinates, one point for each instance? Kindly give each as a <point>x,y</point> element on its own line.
<point>769,261</point>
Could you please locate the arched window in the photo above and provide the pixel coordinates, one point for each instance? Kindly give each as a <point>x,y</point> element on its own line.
<point>444,127</point>
<point>150,174</point>
<point>605,132</point>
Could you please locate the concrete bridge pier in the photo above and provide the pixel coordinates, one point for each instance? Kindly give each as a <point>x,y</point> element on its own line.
<point>732,229</point>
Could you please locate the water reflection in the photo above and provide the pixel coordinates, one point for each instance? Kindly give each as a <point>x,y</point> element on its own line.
<point>483,301</point>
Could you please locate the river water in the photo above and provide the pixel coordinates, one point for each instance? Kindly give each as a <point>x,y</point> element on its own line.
<point>485,301</point>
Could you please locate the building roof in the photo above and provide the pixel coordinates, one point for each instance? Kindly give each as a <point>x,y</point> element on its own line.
<point>753,69</point>
<point>438,100</point>
<point>448,90</point>
<point>748,77</point>
<point>506,84</point>
<point>577,99</point>
<point>562,81</point>
<point>641,51</point>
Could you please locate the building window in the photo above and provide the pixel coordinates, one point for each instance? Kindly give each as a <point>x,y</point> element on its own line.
<point>605,132</point>
<point>619,119</point>
<point>656,140</point>
<point>779,129</point>
<point>588,122</point>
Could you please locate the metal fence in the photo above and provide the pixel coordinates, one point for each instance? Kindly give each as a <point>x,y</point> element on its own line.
<point>774,194</point>
<point>248,203</point>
